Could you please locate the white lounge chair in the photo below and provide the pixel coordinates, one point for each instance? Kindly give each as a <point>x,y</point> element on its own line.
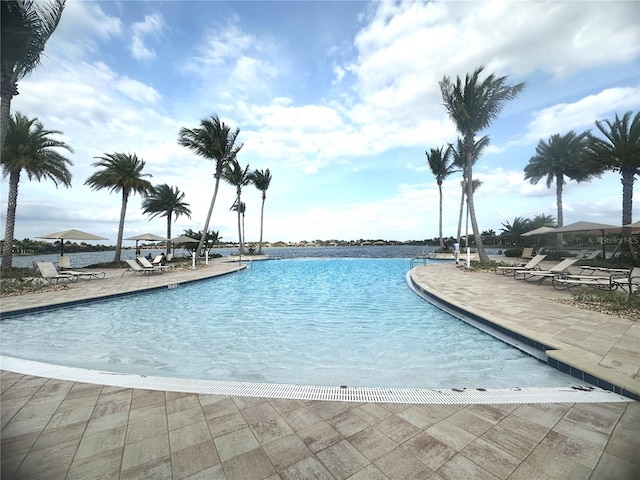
<point>540,275</point>
<point>628,281</point>
<point>530,265</point>
<point>64,262</point>
<point>147,264</point>
<point>50,273</point>
<point>135,267</point>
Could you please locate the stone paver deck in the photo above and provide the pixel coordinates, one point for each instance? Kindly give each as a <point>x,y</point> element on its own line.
<point>55,429</point>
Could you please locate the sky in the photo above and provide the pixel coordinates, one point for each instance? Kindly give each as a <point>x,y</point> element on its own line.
<point>339,99</point>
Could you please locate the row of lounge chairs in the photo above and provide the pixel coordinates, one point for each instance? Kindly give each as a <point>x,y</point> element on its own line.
<point>50,273</point>
<point>562,279</point>
<point>141,265</point>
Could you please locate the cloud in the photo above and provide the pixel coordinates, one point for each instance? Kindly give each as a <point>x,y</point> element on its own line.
<point>152,25</point>
<point>579,115</point>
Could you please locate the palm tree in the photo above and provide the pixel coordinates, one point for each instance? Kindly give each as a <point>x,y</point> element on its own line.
<point>26,27</point>
<point>214,141</point>
<point>120,172</point>
<point>515,230</point>
<point>441,167</point>
<point>619,151</point>
<point>473,106</point>
<point>559,157</point>
<point>241,208</point>
<point>235,175</point>
<point>261,179</point>
<point>459,160</point>
<point>29,148</point>
<point>213,237</point>
<point>167,202</point>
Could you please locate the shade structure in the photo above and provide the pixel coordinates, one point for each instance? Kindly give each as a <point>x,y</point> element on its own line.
<point>146,236</point>
<point>590,227</point>
<point>539,231</point>
<point>72,234</point>
<point>184,239</point>
<point>633,226</point>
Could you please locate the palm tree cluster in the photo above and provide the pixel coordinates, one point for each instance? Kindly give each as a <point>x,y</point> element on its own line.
<point>473,104</point>
<point>214,140</point>
<point>31,149</point>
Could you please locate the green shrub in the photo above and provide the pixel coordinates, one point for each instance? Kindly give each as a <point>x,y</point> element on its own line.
<point>513,252</point>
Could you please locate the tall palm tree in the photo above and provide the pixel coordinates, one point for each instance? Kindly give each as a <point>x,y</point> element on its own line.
<point>261,179</point>
<point>121,172</point>
<point>619,151</point>
<point>441,165</point>
<point>166,201</point>
<point>235,175</point>
<point>29,148</point>
<point>214,141</point>
<point>559,157</point>
<point>473,106</point>
<point>459,160</point>
<point>26,27</point>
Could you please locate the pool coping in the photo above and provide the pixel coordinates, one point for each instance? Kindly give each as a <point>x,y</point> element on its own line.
<point>556,354</point>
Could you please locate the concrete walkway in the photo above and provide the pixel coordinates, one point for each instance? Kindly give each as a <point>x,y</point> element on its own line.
<point>55,429</point>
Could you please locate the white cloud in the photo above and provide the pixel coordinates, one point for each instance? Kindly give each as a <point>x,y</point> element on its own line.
<point>152,25</point>
<point>582,114</point>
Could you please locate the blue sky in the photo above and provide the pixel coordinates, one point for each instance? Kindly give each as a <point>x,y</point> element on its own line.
<point>339,100</point>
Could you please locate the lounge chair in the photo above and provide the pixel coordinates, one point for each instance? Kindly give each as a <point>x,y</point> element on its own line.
<point>629,282</point>
<point>530,265</point>
<point>169,257</point>
<point>64,262</point>
<point>147,264</point>
<point>610,282</point>
<point>616,272</point>
<point>50,273</point>
<point>135,267</point>
<point>590,255</point>
<point>527,253</point>
<point>540,275</point>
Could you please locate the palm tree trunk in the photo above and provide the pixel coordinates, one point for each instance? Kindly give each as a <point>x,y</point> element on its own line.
<point>482,253</point>
<point>628,178</point>
<point>10,223</point>
<point>203,238</point>
<point>440,219</point>
<point>240,244</point>
<point>461,209</point>
<point>8,89</point>
<point>168,234</point>
<point>559,181</point>
<point>123,212</point>
<point>261,224</point>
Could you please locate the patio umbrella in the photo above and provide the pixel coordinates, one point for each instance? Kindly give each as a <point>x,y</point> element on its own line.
<point>72,234</point>
<point>539,231</point>
<point>146,236</point>
<point>635,227</point>
<point>590,227</point>
<point>184,239</point>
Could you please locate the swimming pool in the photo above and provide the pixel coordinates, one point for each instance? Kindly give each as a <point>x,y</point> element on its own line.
<point>334,322</point>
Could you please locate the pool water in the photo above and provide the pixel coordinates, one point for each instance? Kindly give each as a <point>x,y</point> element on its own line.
<point>329,322</point>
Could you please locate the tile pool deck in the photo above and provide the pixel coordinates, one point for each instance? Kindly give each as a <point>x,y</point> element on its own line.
<point>63,429</point>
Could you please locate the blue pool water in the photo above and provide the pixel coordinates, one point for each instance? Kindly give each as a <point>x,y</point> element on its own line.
<point>332,321</point>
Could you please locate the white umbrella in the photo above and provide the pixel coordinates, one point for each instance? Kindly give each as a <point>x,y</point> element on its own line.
<point>539,231</point>
<point>184,239</point>
<point>146,236</point>
<point>72,234</point>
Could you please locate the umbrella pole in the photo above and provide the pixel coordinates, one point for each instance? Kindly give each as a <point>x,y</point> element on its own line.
<point>603,245</point>
<point>61,247</point>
